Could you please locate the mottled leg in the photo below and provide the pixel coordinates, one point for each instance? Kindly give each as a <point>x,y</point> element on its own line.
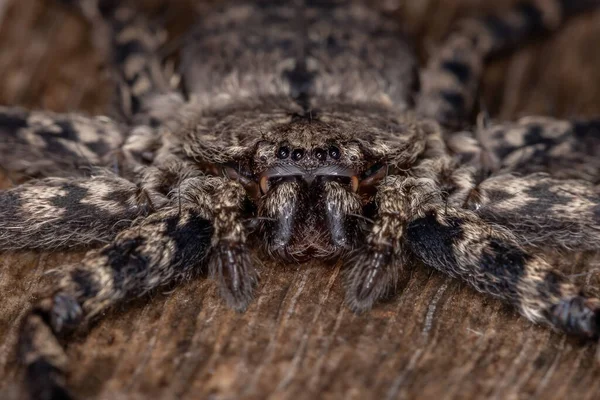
<point>133,44</point>
<point>166,247</point>
<point>39,144</point>
<point>146,97</point>
<point>450,81</point>
<point>541,211</point>
<point>374,268</point>
<point>564,149</point>
<point>62,213</point>
<point>462,245</point>
<point>230,263</point>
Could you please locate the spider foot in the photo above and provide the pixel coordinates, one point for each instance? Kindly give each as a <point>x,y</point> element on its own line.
<point>578,316</point>
<point>370,276</point>
<point>46,382</point>
<point>231,266</point>
<point>44,359</point>
<point>66,313</point>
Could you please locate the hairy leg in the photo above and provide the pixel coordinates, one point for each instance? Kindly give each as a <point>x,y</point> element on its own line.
<point>374,268</point>
<point>133,44</point>
<point>230,263</point>
<point>203,221</point>
<point>44,144</point>
<point>165,247</point>
<point>40,144</point>
<point>462,245</point>
<point>540,210</point>
<point>485,246</point>
<point>564,149</point>
<point>59,212</point>
<point>451,78</point>
<point>146,98</point>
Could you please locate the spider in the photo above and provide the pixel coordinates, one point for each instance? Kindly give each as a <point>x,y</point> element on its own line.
<point>308,129</point>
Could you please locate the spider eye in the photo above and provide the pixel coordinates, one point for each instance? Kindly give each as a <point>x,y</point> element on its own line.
<point>320,154</point>
<point>298,154</point>
<point>283,152</point>
<point>334,152</point>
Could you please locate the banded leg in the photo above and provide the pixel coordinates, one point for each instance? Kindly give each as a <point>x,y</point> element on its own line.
<point>230,263</point>
<point>451,79</point>
<point>462,245</point>
<point>373,270</point>
<point>564,149</point>
<point>59,213</point>
<point>163,248</point>
<point>541,211</point>
<point>40,144</point>
<point>133,44</point>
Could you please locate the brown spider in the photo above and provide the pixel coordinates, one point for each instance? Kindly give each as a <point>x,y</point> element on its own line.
<point>307,128</point>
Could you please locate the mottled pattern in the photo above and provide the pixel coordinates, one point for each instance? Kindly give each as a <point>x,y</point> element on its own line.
<point>62,213</point>
<point>163,248</point>
<point>37,144</point>
<point>297,136</point>
<point>274,48</point>
<point>451,79</point>
<point>566,149</point>
<point>542,210</point>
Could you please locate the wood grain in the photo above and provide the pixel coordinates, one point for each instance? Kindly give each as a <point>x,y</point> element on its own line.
<point>436,339</point>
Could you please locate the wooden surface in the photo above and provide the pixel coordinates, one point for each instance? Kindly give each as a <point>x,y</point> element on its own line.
<point>436,339</point>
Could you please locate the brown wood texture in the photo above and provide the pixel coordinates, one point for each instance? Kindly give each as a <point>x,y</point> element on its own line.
<point>436,339</point>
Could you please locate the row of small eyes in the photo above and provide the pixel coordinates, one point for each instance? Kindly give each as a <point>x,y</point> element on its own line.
<point>320,154</point>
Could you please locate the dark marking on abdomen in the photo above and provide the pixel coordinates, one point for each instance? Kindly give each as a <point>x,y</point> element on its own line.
<point>310,52</point>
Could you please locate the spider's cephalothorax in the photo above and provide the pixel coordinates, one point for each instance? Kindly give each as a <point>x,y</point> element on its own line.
<point>309,176</point>
<point>306,127</point>
<point>305,173</point>
<point>313,127</point>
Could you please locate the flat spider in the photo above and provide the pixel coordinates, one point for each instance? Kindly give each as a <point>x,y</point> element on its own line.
<point>307,128</point>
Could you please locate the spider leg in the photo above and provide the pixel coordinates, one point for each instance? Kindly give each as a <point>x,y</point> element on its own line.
<point>462,245</point>
<point>133,44</point>
<point>373,269</point>
<point>163,248</point>
<point>450,80</point>
<point>564,149</point>
<point>59,212</point>
<point>540,210</point>
<point>230,263</point>
<point>39,144</point>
